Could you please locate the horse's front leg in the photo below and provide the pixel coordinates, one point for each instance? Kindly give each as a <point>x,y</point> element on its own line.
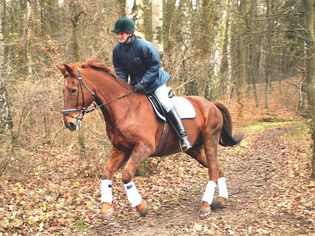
<point>114,162</point>
<point>138,155</point>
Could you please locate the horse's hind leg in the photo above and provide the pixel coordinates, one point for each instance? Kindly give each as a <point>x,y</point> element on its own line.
<point>220,200</point>
<point>198,153</point>
<point>211,138</point>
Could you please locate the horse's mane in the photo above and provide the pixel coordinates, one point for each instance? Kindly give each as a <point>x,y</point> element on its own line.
<point>93,64</point>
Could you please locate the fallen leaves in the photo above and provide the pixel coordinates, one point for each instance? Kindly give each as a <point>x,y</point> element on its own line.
<point>268,181</point>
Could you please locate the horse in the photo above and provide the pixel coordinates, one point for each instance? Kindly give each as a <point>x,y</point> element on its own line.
<point>137,134</point>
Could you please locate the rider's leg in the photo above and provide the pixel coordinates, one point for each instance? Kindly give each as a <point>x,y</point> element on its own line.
<point>172,115</point>
<point>177,123</point>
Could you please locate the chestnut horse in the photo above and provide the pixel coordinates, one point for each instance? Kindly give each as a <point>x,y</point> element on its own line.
<point>136,133</point>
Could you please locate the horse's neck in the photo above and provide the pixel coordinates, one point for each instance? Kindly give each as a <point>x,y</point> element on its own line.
<point>115,97</point>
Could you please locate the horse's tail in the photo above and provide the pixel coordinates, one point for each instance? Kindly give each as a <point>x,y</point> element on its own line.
<point>227,139</point>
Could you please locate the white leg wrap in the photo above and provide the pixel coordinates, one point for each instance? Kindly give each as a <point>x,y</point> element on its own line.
<point>209,193</point>
<point>106,191</point>
<point>223,192</point>
<point>132,194</point>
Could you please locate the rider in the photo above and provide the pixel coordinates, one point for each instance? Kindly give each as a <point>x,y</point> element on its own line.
<point>140,60</point>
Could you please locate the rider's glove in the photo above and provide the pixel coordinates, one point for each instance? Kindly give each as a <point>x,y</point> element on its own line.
<point>138,87</point>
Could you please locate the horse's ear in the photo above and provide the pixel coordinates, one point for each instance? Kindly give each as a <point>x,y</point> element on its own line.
<point>62,69</point>
<point>68,68</point>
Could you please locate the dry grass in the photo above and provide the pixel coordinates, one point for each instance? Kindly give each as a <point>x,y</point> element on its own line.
<point>38,124</point>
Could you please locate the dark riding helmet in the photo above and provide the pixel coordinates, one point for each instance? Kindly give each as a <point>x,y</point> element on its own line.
<point>124,24</point>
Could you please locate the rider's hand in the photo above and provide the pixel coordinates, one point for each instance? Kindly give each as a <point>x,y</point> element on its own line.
<point>138,87</point>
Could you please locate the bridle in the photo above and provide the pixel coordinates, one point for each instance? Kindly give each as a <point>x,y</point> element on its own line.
<point>86,109</point>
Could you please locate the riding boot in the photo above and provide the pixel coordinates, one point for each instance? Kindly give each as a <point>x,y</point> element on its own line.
<point>177,124</point>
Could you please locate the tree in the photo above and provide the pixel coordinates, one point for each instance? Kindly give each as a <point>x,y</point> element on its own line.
<point>134,10</point>
<point>185,37</point>
<point>216,56</point>
<point>76,13</point>
<point>157,24</point>
<point>309,6</point>
<point>253,52</point>
<point>6,122</point>
<point>268,55</point>
<point>5,111</point>
<point>27,36</point>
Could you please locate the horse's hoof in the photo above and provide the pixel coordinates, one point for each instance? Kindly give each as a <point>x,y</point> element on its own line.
<point>218,203</point>
<point>107,211</point>
<point>142,208</point>
<point>204,210</point>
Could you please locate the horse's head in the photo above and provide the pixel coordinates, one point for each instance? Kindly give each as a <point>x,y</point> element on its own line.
<point>78,94</point>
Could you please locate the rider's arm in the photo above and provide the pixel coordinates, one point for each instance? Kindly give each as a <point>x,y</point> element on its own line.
<point>152,64</point>
<point>118,68</point>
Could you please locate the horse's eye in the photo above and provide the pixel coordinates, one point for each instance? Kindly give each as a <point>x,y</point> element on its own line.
<point>72,90</point>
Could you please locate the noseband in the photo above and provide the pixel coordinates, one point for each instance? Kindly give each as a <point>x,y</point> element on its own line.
<point>85,109</point>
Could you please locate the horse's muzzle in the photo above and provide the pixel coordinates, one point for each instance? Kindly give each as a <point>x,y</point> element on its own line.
<point>73,126</point>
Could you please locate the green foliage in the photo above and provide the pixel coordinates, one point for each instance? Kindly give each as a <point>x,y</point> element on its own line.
<point>80,224</point>
<point>261,126</point>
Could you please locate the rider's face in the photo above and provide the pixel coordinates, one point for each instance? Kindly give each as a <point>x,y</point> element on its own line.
<point>123,36</point>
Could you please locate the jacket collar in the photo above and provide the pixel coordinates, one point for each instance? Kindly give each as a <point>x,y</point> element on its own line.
<point>129,41</point>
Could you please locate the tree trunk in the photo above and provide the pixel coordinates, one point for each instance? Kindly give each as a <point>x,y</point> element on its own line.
<point>61,3</point>
<point>157,24</point>
<point>134,10</point>
<point>5,111</point>
<point>309,6</point>
<point>242,45</point>
<point>185,7</point>
<point>268,55</point>
<point>234,58</point>
<point>216,56</point>
<point>242,55</point>
<point>76,13</point>
<point>6,122</point>
<point>27,37</point>
<point>229,59</point>
<point>254,54</point>
<point>2,20</point>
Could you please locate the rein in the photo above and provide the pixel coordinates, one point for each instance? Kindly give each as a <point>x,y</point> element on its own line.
<point>86,110</point>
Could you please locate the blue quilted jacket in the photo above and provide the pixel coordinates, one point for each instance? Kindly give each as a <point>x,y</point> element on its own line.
<point>140,60</point>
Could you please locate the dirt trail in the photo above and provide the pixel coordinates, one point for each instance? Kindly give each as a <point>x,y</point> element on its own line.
<point>269,186</point>
<point>268,180</point>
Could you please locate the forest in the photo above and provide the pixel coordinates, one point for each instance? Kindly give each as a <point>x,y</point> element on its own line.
<point>255,56</point>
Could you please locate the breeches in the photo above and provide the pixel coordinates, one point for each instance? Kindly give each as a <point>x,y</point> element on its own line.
<point>162,94</point>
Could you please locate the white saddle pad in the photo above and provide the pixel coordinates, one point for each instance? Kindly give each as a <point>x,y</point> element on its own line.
<point>183,106</point>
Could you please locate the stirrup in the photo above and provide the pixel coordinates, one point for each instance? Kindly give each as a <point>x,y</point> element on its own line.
<point>185,144</point>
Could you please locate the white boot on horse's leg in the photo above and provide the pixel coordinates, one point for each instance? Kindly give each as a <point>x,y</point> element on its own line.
<point>207,199</point>
<point>106,198</point>
<point>220,201</point>
<point>135,199</point>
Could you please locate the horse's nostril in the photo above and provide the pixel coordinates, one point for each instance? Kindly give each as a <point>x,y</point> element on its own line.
<point>71,126</point>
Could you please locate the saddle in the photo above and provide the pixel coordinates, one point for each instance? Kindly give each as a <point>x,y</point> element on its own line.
<point>183,106</point>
